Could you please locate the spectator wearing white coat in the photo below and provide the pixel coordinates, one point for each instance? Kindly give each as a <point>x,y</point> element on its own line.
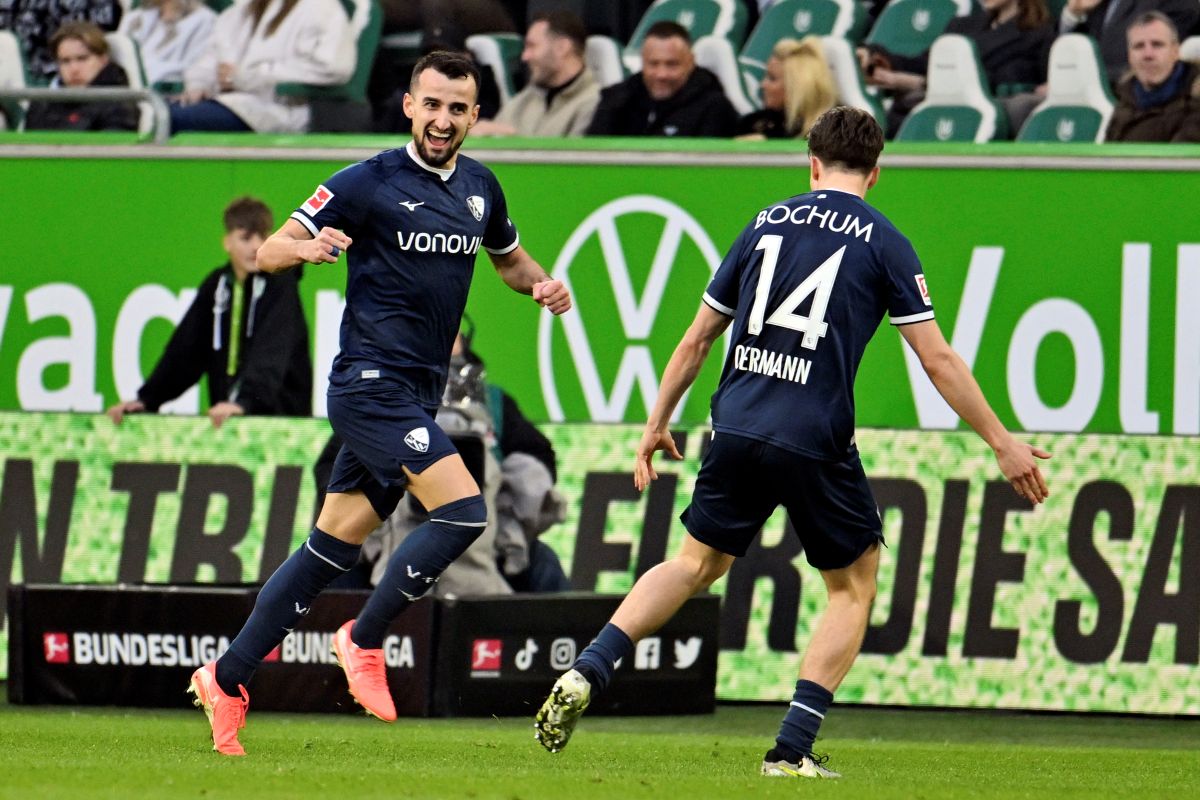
<point>257,45</point>
<point>171,35</point>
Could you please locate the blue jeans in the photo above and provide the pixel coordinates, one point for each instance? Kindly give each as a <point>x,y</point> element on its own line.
<point>207,115</point>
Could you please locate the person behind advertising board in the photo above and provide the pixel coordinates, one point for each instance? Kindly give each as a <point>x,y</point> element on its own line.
<point>245,332</point>
<point>797,88</point>
<point>81,52</point>
<point>413,219</point>
<point>805,286</point>
<point>1159,100</point>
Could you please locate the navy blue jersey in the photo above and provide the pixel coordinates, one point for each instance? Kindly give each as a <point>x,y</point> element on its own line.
<point>416,232</point>
<point>808,282</point>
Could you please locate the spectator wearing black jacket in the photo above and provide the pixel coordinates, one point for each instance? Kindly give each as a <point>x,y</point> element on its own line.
<point>671,96</point>
<point>81,52</point>
<point>245,331</point>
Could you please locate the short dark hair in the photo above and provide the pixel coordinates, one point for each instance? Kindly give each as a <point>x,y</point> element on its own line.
<point>452,65</point>
<point>846,138</point>
<point>248,214</point>
<point>567,25</point>
<point>1154,16</point>
<point>666,29</point>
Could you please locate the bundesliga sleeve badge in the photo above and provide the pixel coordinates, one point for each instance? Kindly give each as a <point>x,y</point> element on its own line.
<point>318,200</point>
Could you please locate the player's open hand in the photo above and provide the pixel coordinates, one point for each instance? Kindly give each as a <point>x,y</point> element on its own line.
<point>117,413</point>
<point>643,468</point>
<point>325,247</point>
<point>553,295</point>
<point>1018,462</point>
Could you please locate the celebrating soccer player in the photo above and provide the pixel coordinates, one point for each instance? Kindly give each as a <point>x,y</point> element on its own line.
<point>410,221</point>
<point>805,286</point>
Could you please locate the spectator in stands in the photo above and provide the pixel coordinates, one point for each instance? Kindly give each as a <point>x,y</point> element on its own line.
<point>35,21</point>
<point>82,55</point>
<point>1013,38</point>
<point>562,93</point>
<point>797,88</point>
<point>245,330</point>
<point>1107,20</point>
<point>671,96</point>
<point>171,35</point>
<point>255,46</point>
<point>1159,101</point>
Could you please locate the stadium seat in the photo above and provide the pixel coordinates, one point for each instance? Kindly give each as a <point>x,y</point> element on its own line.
<point>500,53</point>
<point>715,54</point>
<point>125,53</point>
<point>603,57</point>
<point>700,17</point>
<point>908,27</point>
<point>12,76</point>
<point>958,106</point>
<point>347,102</point>
<point>1189,49</point>
<point>1078,103</point>
<point>852,90</point>
<point>795,19</point>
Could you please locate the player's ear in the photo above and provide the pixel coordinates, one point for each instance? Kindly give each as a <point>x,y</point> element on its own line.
<point>815,168</point>
<point>873,177</point>
<point>408,105</point>
<point>474,116</point>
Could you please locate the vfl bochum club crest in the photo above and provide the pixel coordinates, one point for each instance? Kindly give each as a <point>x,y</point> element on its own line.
<point>475,203</point>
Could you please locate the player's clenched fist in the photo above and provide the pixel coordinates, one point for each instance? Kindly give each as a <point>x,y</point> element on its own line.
<point>552,295</point>
<point>325,247</point>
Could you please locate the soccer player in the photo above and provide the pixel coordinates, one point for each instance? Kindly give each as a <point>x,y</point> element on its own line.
<point>411,221</point>
<point>805,286</point>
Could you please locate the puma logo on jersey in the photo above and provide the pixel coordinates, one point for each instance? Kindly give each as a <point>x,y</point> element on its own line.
<point>411,205</point>
<point>418,439</point>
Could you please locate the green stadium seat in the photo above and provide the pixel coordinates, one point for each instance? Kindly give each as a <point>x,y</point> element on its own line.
<point>12,76</point>
<point>958,106</point>
<point>125,52</point>
<point>795,19</point>
<point>726,18</point>
<point>500,53</point>
<point>908,27</point>
<point>1189,49</point>
<point>852,88</point>
<point>1078,102</point>
<point>366,18</point>
<point>603,57</point>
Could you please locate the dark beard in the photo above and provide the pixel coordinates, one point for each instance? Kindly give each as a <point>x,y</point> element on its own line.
<point>436,160</point>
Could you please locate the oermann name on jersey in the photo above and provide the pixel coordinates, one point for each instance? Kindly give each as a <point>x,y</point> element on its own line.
<point>425,242</point>
<point>838,222</point>
<point>772,364</point>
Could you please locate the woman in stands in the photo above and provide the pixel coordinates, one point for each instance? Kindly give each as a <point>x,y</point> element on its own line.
<point>82,55</point>
<point>1013,38</point>
<point>796,89</point>
<point>171,35</point>
<point>256,46</point>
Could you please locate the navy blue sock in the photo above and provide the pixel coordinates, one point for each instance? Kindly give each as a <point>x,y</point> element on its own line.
<point>284,599</point>
<point>599,659</point>
<point>417,564</point>
<point>802,721</point>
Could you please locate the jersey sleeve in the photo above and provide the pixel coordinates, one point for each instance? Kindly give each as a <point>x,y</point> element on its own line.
<point>908,297</point>
<point>340,201</point>
<point>723,290</point>
<point>501,235</point>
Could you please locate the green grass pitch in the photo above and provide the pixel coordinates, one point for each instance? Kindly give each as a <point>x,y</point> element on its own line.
<point>52,752</point>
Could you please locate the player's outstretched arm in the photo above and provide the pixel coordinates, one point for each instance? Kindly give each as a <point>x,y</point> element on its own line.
<point>522,274</point>
<point>680,374</point>
<point>1017,460</point>
<point>293,245</point>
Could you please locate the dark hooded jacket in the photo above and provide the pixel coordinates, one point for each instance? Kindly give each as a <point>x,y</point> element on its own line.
<point>700,108</point>
<point>48,116</point>
<point>273,374</point>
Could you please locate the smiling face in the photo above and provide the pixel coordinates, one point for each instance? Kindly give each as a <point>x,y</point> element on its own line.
<point>1153,52</point>
<point>666,65</point>
<point>77,65</point>
<point>442,110</point>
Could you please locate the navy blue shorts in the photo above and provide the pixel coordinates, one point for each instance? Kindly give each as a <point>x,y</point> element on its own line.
<point>742,481</point>
<point>381,435</point>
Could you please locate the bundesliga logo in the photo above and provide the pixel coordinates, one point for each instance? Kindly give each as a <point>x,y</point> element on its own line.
<point>57,648</point>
